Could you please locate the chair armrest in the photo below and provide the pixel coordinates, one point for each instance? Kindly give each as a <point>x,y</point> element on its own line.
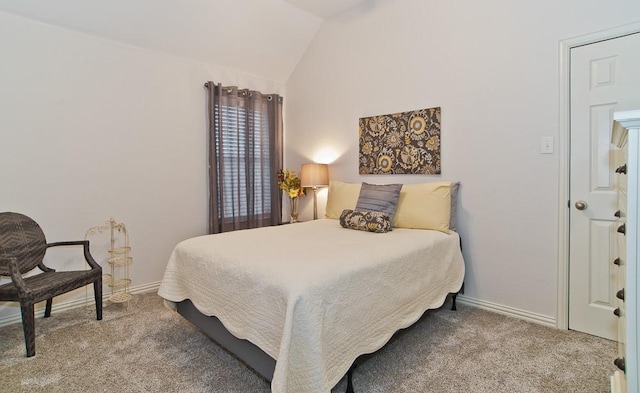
<point>87,255</point>
<point>16,277</point>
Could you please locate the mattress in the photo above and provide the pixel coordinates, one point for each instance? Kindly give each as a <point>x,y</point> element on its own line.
<point>313,295</point>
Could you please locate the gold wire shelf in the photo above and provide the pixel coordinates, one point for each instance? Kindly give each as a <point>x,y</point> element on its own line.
<point>121,297</point>
<point>120,261</point>
<point>119,250</point>
<point>120,283</point>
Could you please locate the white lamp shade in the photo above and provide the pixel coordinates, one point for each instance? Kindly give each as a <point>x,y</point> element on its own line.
<point>314,175</point>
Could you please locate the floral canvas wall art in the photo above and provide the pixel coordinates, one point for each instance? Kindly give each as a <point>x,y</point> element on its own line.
<point>400,143</point>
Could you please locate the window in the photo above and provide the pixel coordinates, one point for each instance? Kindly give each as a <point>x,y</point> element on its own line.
<point>245,155</point>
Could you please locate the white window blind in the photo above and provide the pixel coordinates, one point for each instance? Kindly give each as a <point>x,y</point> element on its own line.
<point>244,150</point>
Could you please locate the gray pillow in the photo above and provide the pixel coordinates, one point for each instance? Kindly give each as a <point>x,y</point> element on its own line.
<point>379,198</point>
<point>455,186</point>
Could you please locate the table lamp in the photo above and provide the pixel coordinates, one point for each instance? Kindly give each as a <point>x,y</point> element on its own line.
<point>314,176</point>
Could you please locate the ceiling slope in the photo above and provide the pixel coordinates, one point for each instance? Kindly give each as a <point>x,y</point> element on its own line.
<point>327,8</point>
<point>257,37</point>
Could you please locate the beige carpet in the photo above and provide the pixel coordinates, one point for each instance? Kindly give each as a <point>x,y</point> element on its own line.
<point>147,348</point>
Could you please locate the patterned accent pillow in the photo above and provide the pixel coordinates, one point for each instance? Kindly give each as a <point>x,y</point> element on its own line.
<point>378,222</point>
<point>379,198</point>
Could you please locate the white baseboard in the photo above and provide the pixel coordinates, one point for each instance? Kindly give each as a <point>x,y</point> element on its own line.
<point>510,311</point>
<point>75,303</point>
<point>485,305</point>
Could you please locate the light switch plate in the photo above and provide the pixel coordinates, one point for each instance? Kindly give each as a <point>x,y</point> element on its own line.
<point>546,145</point>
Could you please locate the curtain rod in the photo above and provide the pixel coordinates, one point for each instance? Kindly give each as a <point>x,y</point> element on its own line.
<point>269,96</point>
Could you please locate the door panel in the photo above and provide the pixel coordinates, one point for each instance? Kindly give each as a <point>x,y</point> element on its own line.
<point>604,79</point>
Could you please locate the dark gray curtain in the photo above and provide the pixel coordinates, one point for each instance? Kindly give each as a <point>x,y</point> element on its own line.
<point>245,154</point>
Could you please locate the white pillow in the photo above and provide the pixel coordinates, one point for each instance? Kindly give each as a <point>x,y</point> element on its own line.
<point>341,196</point>
<point>424,206</point>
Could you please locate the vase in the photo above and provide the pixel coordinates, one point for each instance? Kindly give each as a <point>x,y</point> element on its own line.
<point>293,213</point>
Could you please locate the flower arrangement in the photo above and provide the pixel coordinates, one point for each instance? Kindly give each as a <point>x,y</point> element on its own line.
<point>289,182</point>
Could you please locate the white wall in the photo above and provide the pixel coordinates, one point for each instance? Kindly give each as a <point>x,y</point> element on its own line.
<point>493,68</point>
<point>91,129</point>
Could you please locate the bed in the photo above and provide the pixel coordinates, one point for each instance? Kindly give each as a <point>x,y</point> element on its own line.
<point>300,302</point>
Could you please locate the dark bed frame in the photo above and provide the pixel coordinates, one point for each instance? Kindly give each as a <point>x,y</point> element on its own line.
<point>246,351</point>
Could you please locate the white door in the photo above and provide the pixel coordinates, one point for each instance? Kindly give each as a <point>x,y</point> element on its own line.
<point>605,77</point>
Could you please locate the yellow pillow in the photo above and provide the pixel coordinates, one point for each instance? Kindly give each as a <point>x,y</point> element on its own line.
<point>424,206</point>
<point>341,196</point>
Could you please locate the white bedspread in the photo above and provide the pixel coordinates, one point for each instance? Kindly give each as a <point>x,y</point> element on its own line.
<point>313,295</point>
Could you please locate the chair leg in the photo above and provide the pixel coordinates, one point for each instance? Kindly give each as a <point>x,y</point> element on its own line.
<point>97,291</point>
<point>47,310</point>
<point>29,327</point>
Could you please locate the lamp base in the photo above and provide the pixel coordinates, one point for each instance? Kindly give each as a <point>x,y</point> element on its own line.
<point>315,203</point>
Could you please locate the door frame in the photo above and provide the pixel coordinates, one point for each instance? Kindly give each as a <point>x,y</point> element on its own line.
<point>565,46</point>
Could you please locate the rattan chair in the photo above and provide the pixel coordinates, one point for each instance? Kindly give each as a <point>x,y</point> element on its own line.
<point>22,249</point>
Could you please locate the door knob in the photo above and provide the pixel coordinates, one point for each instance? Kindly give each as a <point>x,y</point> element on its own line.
<point>581,205</point>
<point>622,169</point>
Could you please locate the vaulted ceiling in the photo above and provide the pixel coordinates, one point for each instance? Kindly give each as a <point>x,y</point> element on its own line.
<point>265,38</point>
<point>326,8</point>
